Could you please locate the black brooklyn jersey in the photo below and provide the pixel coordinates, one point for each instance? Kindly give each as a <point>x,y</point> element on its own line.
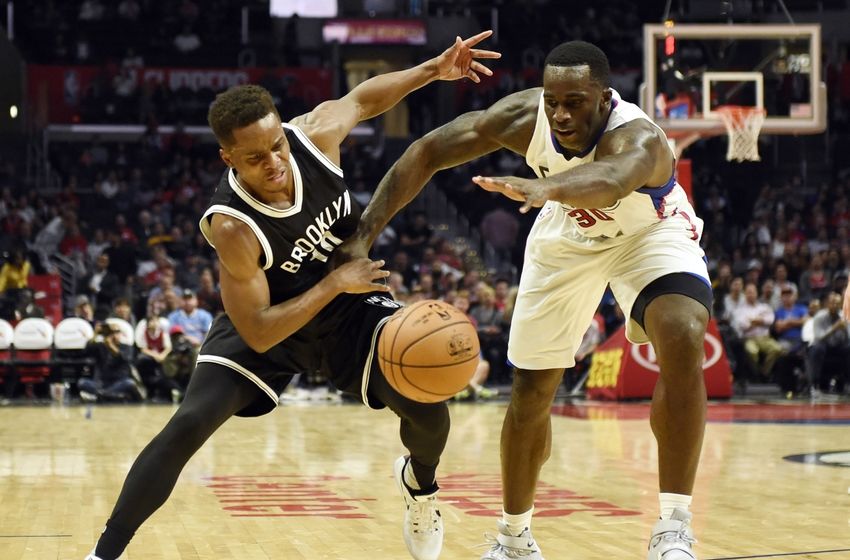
<point>296,242</point>
<point>296,245</point>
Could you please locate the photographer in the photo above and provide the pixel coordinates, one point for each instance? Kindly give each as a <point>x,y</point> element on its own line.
<point>180,362</point>
<point>114,378</point>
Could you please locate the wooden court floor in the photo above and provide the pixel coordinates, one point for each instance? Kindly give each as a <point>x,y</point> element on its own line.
<point>314,482</point>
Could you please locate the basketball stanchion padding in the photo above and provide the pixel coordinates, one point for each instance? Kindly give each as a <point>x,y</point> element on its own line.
<point>428,351</point>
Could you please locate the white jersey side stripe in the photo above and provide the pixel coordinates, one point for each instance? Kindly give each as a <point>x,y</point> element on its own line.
<point>239,369</point>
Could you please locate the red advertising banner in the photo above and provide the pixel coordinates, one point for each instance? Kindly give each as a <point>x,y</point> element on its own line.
<point>56,92</point>
<point>375,32</point>
<point>622,370</point>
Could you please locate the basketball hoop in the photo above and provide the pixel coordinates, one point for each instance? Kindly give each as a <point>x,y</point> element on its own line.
<point>743,125</point>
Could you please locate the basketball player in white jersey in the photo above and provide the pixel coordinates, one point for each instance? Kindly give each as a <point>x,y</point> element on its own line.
<point>279,211</point>
<point>612,212</point>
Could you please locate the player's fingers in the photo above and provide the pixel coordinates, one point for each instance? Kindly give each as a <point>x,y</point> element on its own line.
<point>378,264</point>
<point>479,53</point>
<point>526,207</point>
<point>473,76</point>
<point>475,39</point>
<point>478,67</point>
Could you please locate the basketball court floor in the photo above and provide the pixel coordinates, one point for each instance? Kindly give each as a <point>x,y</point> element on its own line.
<point>315,482</point>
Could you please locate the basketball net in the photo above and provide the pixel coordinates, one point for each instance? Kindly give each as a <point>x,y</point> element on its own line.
<point>743,125</point>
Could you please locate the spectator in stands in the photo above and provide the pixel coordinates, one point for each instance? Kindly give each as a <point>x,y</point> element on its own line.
<point>416,235</point>
<point>815,281</point>
<point>734,299</point>
<point>101,284</point>
<point>401,264</point>
<point>501,289</point>
<point>781,282</point>
<point>788,326</point>
<point>209,295</point>
<point>154,345</point>
<point>122,309</point>
<point>399,291</point>
<point>15,272</point>
<point>752,320</point>
<point>831,340</point>
<point>490,325</point>
<point>753,273</point>
<point>74,243</point>
<point>195,322</point>
<point>167,284</point>
<point>83,309</point>
<point>180,362</point>
<point>476,389</point>
<point>113,379</point>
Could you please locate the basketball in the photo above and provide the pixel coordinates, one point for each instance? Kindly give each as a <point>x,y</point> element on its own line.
<point>428,351</point>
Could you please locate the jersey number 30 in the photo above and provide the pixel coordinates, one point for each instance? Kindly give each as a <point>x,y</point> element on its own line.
<point>587,218</point>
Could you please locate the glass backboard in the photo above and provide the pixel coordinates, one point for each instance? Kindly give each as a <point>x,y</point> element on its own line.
<point>692,69</point>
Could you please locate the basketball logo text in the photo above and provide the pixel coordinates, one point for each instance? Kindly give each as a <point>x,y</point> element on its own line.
<point>460,346</point>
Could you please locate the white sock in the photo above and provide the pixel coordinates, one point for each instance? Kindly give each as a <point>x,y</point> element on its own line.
<point>669,502</point>
<point>410,478</point>
<point>518,523</point>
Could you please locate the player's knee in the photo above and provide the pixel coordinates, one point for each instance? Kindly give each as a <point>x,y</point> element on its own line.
<point>532,394</point>
<point>189,428</point>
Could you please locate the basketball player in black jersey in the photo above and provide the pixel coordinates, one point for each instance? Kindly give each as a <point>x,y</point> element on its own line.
<point>276,216</point>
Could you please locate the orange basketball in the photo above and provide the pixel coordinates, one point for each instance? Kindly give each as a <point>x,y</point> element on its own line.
<point>428,351</point>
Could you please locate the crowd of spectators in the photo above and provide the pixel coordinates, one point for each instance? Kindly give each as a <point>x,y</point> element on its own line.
<point>126,217</point>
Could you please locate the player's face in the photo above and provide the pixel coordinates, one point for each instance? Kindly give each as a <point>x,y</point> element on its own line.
<point>576,105</point>
<point>260,154</point>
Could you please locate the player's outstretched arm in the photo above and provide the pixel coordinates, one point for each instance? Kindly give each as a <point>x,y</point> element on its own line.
<point>245,290</point>
<point>330,122</point>
<point>509,123</point>
<point>627,158</point>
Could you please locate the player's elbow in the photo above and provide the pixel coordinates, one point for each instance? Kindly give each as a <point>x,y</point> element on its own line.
<point>257,340</point>
<point>609,191</point>
<point>424,153</point>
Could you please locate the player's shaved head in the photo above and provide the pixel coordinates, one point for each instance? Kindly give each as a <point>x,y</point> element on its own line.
<point>581,53</point>
<point>236,108</point>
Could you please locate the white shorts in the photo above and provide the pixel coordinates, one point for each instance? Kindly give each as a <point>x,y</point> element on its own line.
<point>565,274</point>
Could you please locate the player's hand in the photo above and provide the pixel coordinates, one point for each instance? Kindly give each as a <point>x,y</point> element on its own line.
<point>528,191</point>
<point>351,249</point>
<point>360,276</point>
<point>458,61</point>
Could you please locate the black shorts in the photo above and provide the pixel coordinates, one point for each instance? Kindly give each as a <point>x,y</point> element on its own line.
<point>340,342</point>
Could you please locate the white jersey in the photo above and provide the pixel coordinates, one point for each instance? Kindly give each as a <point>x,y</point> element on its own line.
<point>640,209</point>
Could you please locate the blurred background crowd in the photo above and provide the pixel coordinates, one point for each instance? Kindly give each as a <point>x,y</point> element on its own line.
<point>113,210</point>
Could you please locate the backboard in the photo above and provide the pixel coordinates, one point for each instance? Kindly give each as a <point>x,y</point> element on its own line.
<point>691,69</point>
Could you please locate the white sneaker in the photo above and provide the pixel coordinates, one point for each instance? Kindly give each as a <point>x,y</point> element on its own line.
<point>92,556</point>
<point>672,538</point>
<point>423,525</point>
<point>507,547</point>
